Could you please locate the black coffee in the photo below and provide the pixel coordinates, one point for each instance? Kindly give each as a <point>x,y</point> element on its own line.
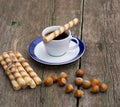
<point>61,36</point>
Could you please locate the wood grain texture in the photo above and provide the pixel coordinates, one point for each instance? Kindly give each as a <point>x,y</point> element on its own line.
<point>62,12</point>
<point>23,21</point>
<point>101,35</point>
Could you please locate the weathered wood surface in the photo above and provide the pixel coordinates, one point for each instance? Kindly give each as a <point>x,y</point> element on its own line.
<point>99,28</point>
<point>101,34</point>
<point>24,20</point>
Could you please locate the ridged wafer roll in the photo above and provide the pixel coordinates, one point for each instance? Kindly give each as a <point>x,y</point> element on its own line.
<point>14,83</point>
<point>32,84</point>
<point>27,78</point>
<point>14,70</point>
<point>59,31</point>
<point>21,70</point>
<point>29,81</point>
<point>27,67</point>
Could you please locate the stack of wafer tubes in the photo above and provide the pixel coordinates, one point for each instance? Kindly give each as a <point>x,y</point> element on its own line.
<point>19,71</point>
<point>59,31</point>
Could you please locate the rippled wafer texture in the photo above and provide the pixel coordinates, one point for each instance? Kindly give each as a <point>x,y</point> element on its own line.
<point>12,68</point>
<point>19,71</point>
<point>28,80</point>
<point>14,83</point>
<point>56,33</point>
<point>27,67</point>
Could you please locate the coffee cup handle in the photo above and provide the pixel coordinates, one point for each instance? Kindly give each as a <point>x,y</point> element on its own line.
<point>76,45</point>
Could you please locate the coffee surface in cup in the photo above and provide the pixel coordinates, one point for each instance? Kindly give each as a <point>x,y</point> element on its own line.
<point>61,36</point>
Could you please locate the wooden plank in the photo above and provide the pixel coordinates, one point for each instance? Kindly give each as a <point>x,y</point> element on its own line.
<point>24,21</point>
<point>63,11</point>
<point>101,35</point>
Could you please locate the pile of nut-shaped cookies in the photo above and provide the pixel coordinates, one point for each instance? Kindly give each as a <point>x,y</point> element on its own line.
<point>95,85</point>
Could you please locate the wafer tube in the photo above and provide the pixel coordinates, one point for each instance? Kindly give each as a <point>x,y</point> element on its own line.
<point>32,84</point>
<point>21,70</point>
<point>62,29</point>
<point>29,81</point>
<point>14,70</point>
<point>14,83</point>
<point>27,67</point>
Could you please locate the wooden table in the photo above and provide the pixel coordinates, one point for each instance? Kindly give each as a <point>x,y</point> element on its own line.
<point>99,28</point>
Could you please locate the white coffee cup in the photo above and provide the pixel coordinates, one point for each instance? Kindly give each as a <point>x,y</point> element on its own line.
<point>61,46</point>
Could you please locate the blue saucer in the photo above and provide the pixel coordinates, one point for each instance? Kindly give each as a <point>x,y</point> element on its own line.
<point>38,53</point>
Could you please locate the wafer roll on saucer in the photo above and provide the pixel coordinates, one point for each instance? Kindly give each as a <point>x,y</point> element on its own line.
<point>59,31</point>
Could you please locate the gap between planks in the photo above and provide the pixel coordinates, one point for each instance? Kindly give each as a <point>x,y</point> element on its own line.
<point>81,36</point>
